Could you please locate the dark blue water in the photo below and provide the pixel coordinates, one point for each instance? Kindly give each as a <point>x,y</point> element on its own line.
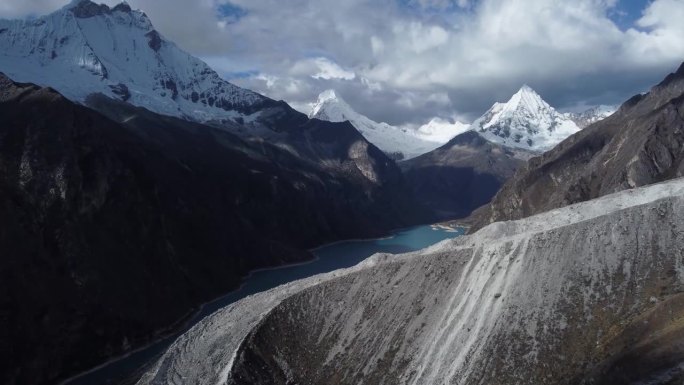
<point>330,257</point>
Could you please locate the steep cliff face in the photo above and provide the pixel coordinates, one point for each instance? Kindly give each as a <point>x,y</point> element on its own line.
<point>112,229</point>
<point>587,294</point>
<point>642,143</point>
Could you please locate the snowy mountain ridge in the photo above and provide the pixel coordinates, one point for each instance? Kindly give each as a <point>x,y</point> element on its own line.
<point>400,142</point>
<point>86,48</point>
<point>526,121</point>
<point>592,115</point>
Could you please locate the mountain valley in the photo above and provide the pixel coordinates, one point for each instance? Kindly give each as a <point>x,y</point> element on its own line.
<point>584,293</point>
<point>143,190</point>
<point>161,202</point>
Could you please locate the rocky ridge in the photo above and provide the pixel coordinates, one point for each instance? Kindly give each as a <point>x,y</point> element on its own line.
<point>592,115</point>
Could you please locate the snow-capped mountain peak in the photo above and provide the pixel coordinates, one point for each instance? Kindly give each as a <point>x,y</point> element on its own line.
<point>399,142</point>
<point>526,121</point>
<point>86,48</point>
<point>442,130</point>
<point>327,95</point>
<point>330,107</point>
<point>528,99</point>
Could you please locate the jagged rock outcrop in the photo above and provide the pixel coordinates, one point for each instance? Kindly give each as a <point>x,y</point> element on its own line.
<point>642,143</point>
<point>462,175</point>
<point>112,229</point>
<point>587,294</point>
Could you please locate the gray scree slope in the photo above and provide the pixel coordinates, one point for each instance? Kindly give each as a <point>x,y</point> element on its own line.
<point>589,293</point>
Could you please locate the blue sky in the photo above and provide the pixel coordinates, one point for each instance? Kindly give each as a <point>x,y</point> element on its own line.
<point>627,12</point>
<point>230,12</point>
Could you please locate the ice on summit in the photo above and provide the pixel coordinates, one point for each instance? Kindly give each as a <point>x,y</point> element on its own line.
<point>86,48</point>
<point>526,121</point>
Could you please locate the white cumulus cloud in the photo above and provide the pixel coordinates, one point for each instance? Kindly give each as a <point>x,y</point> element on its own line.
<point>406,61</point>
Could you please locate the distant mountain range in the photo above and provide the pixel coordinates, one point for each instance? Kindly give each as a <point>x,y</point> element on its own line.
<point>399,142</point>
<point>591,115</point>
<point>525,122</point>
<point>454,168</point>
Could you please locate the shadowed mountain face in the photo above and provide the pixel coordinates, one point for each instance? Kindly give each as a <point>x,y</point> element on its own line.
<point>112,231</point>
<point>462,175</point>
<point>642,143</point>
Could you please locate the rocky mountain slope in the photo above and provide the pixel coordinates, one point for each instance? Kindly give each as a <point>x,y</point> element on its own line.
<point>461,175</point>
<point>586,294</point>
<point>526,122</point>
<point>399,142</point>
<point>112,229</point>
<point>86,48</point>
<point>640,144</point>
